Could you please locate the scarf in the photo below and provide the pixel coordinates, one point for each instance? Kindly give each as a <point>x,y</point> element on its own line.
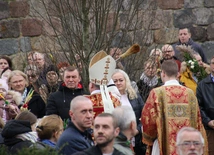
<point>30,136</point>
<point>149,81</point>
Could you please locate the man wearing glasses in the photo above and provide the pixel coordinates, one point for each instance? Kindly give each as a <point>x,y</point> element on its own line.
<point>169,54</point>
<point>189,141</point>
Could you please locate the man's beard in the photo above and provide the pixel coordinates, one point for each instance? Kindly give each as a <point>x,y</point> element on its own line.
<point>105,143</point>
<point>181,153</point>
<point>169,58</point>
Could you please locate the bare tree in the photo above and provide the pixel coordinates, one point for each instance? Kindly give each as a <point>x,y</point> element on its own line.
<point>80,28</point>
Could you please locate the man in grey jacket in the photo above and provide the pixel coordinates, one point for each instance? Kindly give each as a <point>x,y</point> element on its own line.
<point>125,117</point>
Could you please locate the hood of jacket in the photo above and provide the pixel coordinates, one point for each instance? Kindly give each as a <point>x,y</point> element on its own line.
<point>15,127</point>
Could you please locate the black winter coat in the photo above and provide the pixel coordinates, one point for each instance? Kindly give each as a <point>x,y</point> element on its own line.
<point>36,105</point>
<point>13,128</point>
<point>59,102</point>
<point>95,150</point>
<point>205,96</point>
<point>144,89</point>
<point>137,105</point>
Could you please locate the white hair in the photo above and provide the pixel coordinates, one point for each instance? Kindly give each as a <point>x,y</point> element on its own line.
<point>124,115</point>
<point>188,129</point>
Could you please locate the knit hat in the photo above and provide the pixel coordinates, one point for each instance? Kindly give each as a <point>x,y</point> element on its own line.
<point>3,84</point>
<point>27,116</point>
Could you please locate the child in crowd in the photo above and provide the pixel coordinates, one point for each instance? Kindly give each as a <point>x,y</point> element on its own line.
<point>9,101</point>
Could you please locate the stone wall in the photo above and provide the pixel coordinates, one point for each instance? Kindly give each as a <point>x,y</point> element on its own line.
<point>198,15</point>
<point>20,32</point>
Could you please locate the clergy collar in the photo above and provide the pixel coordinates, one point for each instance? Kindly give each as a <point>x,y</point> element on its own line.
<point>171,82</point>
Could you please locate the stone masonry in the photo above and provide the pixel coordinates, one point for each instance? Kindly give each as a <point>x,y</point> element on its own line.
<point>20,31</point>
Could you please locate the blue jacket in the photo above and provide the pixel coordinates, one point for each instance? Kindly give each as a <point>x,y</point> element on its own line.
<point>73,140</point>
<point>49,143</point>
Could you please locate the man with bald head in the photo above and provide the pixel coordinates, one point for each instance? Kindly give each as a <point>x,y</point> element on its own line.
<point>169,53</point>
<point>77,136</point>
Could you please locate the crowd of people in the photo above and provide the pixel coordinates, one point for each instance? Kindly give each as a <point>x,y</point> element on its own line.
<point>168,111</point>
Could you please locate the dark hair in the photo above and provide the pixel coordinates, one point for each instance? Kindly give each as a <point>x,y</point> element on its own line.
<point>7,59</point>
<point>109,115</point>
<point>27,116</point>
<point>181,28</point>
<point>52,68</point>
<point>70,69</point>
<point>150,61</point>
<point>170,67</point>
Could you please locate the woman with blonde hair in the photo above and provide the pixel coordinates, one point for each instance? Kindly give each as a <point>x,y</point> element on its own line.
<point>18,81</point>
<point>129,97</point>
<point>157,53</point>
<point>49,129</point>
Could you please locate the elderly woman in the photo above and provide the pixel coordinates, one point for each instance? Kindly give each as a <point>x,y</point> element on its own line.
<point>18,81</point>
<point>129,97</point>
<point>49,130</point>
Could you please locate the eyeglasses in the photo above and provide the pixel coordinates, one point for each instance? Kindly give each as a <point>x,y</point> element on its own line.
<point>31,76</point>
<point>167,51</point>
<point>190,143</point>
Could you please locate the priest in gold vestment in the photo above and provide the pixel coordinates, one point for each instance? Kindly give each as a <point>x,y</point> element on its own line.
<point>168,109</point>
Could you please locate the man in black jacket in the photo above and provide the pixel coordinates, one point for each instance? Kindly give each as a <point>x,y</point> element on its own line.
<point>105,131</point>
<point>185,39</point>
<point>204,93</point>
<point>59,102</point>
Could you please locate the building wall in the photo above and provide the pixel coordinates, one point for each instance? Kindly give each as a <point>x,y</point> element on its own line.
<point>20,31</point>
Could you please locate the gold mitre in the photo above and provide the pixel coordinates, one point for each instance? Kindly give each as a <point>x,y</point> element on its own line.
<point>101,68</point>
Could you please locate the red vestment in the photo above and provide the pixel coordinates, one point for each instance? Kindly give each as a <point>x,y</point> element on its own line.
<point>166,111</point>
<point>98,104</point>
